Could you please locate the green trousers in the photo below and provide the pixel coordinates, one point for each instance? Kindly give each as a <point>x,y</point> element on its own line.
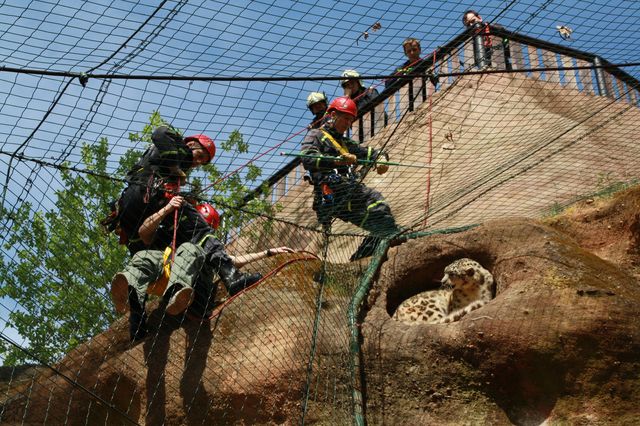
<point>146,266</point>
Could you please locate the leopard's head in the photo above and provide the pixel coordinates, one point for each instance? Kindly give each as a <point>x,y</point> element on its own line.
<point>462,273</point>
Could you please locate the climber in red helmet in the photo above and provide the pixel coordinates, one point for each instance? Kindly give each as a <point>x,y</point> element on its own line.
<point>209,214</point>
<point>154,179</point>
<point>187,282</point>
<point>331,159</point>
<point>203,149</point>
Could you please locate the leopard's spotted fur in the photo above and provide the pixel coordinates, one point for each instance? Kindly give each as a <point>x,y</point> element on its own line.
<point>466,286</point>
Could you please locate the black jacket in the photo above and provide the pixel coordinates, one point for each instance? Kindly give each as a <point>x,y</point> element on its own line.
<point>316,143</point>
<point>167,153</point>
<point>364,97</point>
<point>406,68</point>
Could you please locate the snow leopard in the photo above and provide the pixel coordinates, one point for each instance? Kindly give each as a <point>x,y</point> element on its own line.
<point>465,286</point>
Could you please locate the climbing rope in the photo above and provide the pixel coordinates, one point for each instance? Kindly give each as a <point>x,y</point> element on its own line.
<point>429,149</point>
<point>218,310</point>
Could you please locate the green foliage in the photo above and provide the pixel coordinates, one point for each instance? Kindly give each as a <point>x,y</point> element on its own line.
<point>60,274</point>
<point>235,142</point>
<point>62,295</point>
<point>155,120</point>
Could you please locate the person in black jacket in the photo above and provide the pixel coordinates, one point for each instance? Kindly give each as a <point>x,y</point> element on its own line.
<point>412,51</point>
<point>331,158</point>
<point>317,104</point>
<point>155,177</point>
<point>355,90</point>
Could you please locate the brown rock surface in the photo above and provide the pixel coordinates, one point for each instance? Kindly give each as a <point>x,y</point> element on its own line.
<point>248,365</point>
<point>559,342</point>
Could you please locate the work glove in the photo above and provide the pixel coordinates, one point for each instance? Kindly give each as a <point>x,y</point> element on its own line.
<point>347,159</point>
<point>382,169</point>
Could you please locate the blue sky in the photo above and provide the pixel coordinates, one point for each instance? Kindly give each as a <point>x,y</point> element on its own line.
<point>229,39</point>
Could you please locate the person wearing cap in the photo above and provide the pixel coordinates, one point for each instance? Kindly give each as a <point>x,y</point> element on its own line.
<point>331,159</point>
<point>317,104</point>
<point>355,90</point>
<point>412,51</point>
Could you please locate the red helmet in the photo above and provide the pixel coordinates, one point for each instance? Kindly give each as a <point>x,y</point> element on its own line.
<point>344,104</point>
<point>206,142</point>
<point>209,214</point>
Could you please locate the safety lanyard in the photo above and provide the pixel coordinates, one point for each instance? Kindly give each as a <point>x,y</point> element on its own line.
<point>338,146</point>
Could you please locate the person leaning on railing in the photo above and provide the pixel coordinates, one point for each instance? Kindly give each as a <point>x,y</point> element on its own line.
<point>412,51</point>
<point>483,56</point>
<point>355,90</point>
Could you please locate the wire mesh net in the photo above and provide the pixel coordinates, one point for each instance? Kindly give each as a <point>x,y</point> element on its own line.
<point>519,118</point>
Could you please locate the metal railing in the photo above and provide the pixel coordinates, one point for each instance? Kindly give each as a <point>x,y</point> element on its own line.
<point>537,59</point>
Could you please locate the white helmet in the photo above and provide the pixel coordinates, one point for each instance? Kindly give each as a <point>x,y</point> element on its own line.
<point>350,74</point>
<point>315,97</point>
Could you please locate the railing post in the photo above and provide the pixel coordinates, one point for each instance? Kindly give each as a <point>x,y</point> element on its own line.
<point>506,48</point>
<point>479,52</point>
<point>372,131</point>
<point>411,95</point>
<point>602,88</point>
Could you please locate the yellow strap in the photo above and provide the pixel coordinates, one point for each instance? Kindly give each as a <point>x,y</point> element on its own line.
<point>160,285</point>
<point>369,207</point>
<point>338,146</point>
<point>202,241</point>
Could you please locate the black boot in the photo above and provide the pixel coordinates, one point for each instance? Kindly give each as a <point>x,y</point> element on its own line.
<point>137,320</point>
<point>366,248</point>
<point>234,280</point>
<point>204,299</point>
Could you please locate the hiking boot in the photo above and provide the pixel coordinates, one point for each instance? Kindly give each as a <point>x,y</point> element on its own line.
<point>234,280</point>
<point>180,300</point>
<point>242,282</point>
<point>366,248</point>
<point>120,293</point>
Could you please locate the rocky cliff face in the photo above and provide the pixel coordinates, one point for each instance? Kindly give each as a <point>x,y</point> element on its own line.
<point>557,344</point>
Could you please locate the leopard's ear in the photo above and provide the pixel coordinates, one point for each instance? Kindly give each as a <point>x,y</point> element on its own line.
<point>470,271</point>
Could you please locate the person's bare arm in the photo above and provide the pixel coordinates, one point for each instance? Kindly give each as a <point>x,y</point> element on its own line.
<point>149,227</point>
<point>240,261</point>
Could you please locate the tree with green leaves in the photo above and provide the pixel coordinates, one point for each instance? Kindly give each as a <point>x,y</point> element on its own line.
<point>60,294</point>
<point>64,262</point>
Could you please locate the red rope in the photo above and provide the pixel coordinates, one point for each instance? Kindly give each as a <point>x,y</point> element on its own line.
<point>218,310</point>
<point>430,148</point>
<point>175,230</point>
<point>252,160</point>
